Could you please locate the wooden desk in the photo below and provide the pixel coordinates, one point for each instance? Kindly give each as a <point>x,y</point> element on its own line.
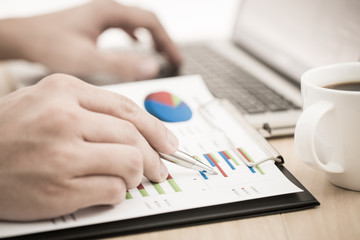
<point>338,216</point>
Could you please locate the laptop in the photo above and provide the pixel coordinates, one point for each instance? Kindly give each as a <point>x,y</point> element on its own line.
<point>273,43</point>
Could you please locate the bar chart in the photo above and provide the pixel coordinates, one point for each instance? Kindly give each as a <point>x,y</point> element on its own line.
<point>148,188</point>
<point>227,163</point>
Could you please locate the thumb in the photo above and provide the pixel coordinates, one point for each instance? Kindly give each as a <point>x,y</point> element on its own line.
<point>128,66</point>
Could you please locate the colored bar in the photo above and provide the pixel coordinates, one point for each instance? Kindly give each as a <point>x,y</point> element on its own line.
<point>209,160</point>
<point>247,157</point>
<point>260,170</point>
<point>225,154</point>
<point>251,169</point>
<point>173,184</point>
<point>202,172</point>
<point>203,175</point>
<point>158,188</point>
<point>217,165</point>
<point>213,157</point>
<point>231,157</point>
<point>142,190</point>
<point>226,160</point>
<point>128,195</point>
<point>242,151</point>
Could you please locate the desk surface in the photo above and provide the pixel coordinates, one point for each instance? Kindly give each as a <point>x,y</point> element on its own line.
<point>337,217</point>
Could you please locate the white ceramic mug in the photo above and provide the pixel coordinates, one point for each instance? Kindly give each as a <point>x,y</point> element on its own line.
<point>327,134</point>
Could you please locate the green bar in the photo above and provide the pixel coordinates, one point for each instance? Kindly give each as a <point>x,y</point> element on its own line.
<point>212,155</point>
<point>174,185</point>
<point>232,158</point>
<point>143,192</point>
<point>197,158</point>
<point>251,160</point>
<point>260,170</point>
<point>128,196</point>
<point>158,188</point>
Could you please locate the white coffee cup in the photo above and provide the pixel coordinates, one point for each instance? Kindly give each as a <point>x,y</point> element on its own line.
<point>327,134</point>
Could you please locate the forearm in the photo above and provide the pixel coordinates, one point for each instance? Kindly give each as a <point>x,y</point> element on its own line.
<point>11,39</point>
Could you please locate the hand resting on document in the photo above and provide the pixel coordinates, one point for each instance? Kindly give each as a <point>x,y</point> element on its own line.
<point>67,145</point>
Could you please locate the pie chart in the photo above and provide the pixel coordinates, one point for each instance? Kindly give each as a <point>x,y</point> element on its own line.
<point>167,107</point>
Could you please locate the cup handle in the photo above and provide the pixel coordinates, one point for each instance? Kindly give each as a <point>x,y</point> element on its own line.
<point>305,137</point>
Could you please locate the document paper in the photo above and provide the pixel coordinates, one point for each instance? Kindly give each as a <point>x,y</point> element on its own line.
<point>184,188</point>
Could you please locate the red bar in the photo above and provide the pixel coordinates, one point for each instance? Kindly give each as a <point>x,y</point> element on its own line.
<point>169,177</point>
<point>217,165</point>
<point>140,186</point>
<point>244,155</point>
<point>227,156</point>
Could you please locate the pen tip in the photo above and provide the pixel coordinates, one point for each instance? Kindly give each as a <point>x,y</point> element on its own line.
<point>212,172</point>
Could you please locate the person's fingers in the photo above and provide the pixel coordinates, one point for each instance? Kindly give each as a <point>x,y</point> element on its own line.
<point>96,190</point>
<point>127,66</point>
<point>119,160</point>
<point>128,17</point>
<point>104,102</point>
<point>99,100</point>
<point>115,130</point>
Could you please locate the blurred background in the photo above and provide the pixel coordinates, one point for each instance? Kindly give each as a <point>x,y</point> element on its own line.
<point>185,20</point>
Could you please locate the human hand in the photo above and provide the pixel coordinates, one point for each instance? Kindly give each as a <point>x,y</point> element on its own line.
<point>67,145</point>
<point>65,41</point>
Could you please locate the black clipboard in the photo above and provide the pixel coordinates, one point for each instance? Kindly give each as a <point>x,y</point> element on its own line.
<point>215,213</point>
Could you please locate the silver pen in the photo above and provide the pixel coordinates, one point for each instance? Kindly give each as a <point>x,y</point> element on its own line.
<point>185,160</point>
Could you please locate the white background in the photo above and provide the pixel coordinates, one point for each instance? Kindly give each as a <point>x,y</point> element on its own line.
<point>184,19</point>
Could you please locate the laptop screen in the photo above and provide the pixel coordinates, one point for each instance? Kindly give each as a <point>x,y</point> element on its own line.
<point>293,36</point>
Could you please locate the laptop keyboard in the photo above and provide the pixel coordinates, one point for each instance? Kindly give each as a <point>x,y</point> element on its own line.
<point>226,80</point>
